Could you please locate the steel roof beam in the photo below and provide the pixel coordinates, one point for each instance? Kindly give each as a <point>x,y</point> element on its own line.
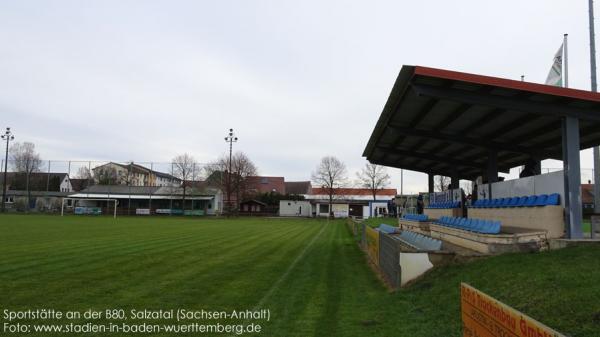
<point>461,140</point>
<point>434,158</point>
<point>507,103</point>
<point>423,112</point>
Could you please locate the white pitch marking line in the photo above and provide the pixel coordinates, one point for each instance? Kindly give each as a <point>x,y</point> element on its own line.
<point>290,268</point>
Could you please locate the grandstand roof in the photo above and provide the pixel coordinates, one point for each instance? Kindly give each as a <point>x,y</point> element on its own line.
<point>436,121</point>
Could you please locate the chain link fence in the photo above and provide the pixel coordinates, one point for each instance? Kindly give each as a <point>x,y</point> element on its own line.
<point>47,175</point>
<point>587,174</point>
<point>41,185</point>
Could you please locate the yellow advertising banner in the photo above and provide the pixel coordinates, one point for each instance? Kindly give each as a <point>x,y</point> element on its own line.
<point>372,237</point>
<point>484,316</point>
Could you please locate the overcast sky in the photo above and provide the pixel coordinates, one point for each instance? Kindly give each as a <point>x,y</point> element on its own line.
<point>297,80</point>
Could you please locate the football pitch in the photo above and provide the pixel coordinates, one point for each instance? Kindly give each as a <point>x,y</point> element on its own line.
<point>309,274</point>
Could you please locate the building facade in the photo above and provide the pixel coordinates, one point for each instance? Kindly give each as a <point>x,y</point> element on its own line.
<point>133,175</point>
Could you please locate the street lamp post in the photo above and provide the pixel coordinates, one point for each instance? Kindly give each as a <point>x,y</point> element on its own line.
<point>231,138</point>
<point>8,136</point>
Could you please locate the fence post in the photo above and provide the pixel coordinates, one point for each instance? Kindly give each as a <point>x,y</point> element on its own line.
<point>48,177</point>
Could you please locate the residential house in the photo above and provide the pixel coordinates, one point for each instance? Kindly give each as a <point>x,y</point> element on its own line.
<point>587,198</point>
<point>38,181</point>
<point>263,184</point>
<point>298,187</point>
<point>133,175</point>
<point>42,191</point>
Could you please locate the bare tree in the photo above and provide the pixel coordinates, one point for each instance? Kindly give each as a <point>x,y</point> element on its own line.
<point>234,182</point>
<point>331,175</point>
<point>26,161</point>
<point>184,169</point>
<point>467,186</point>
<point>106,175</point>
<point>242,168</point>
<point>83,173</point>
<point>441,183</point>
<point>374,177</point>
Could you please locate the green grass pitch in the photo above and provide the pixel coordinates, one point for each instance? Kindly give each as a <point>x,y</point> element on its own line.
<point>309,273</point>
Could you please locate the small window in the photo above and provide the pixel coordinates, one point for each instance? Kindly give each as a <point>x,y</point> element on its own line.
<point>323,208</point>
<point>264,180</point>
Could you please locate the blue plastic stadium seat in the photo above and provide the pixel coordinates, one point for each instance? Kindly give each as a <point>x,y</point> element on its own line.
<point>470,224</point>
<point>480,226</point>
<point>416,217</point>
<point>505,202</point>
<point>553,199</point>
<point>541,200</point>
<point>494,227</point>
<point>522,201</point>
<point>531,201</point>
<point>388,229</point>
<point>513,202</point>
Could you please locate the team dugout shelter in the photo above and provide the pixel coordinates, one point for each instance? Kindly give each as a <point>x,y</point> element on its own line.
<point>466,126</point>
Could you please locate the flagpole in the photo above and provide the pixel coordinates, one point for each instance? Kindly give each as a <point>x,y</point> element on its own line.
<point>594,89</point>
<point>566,61</point>
<point>592,47</point>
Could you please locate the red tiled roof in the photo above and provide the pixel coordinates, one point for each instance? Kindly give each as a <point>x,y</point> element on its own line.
<point>355,191</point>
<point>263,184</point>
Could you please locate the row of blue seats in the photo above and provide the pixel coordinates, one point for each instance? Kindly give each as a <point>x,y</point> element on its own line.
<point>388,229</point>
<point>527,201</point>
<point>473,225</point>
<point>447,204</point>
<point>420,241</point>
<point>415,217</point>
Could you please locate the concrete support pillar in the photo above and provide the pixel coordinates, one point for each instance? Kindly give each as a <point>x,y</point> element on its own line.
<point>597,180</point>
<point>430,184</point>
<point>492,171</point>
<point>572,177</point>
<point>537,167</point>
<point>454,180</point>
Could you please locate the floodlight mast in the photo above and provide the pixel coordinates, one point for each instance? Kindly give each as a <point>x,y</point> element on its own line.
<point>8,136</point>
<point>231,138</point>
<point>596,150</point>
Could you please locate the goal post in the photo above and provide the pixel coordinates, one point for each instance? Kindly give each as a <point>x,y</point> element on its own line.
<point>62,208</point>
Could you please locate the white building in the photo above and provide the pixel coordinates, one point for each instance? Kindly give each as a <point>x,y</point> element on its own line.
<point>299,208</point>
<point>356,202</point>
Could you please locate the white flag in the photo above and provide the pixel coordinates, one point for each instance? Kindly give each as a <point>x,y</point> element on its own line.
<point>555,74</point>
